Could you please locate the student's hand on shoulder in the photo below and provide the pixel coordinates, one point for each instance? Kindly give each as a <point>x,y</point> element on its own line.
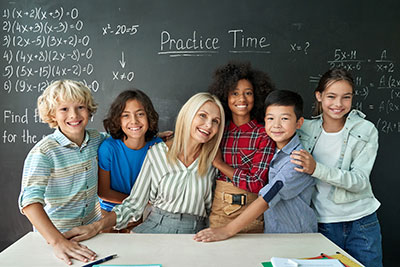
<point>166,135</point>
<point>305,160</point>
<point>212,234</point>
<point>67,249</point>
<point>81,233</point>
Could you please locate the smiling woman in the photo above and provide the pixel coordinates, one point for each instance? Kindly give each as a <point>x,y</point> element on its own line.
<point>196,106</point>
<point>176,176</point>
<point>205,123</point>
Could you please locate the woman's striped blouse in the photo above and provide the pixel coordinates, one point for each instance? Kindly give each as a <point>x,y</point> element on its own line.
<point>171,187</point>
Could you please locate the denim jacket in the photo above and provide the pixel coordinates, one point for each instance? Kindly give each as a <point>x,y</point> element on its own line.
<point>350,178</point>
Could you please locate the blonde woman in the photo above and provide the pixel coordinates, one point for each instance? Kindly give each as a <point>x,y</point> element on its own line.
<point>176,176</point>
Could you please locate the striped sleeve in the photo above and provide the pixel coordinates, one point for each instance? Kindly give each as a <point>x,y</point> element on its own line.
<point>170,187</point>
<point>35,177</point>
<point>133,206</point>
<point>209,194</point>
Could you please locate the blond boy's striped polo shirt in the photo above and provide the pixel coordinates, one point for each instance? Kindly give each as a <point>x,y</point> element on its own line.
<point>63,178</point>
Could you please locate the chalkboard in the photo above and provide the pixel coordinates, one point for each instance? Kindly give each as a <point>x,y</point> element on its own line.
<point>169,49</point>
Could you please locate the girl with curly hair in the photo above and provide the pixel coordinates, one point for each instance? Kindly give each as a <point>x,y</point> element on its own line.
<point>245,150</point>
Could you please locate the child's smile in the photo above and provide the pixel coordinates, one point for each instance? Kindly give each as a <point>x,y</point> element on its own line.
<point>134,124</point>
<point>72,119</point>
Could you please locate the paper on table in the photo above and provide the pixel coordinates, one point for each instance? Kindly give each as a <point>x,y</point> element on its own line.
<point>285,262</point>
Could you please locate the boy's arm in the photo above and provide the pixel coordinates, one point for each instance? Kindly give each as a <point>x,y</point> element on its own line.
<point>64,249</point>
<point>251,213</point>
<point>104,188</point>
<point>294,182</point>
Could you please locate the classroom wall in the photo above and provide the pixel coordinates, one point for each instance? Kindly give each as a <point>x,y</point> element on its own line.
<point>169,49</point>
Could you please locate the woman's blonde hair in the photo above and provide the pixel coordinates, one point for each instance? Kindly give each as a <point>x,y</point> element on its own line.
<point>182,132</point>
<point>63,91</point>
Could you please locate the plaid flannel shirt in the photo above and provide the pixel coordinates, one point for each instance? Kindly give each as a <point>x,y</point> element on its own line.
<point>249,150</point>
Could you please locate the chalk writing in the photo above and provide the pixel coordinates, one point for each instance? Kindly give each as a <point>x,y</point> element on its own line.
<point>299,47</point>
<point>387,126</point>
<point>384,86</point>
<point>24,117</point>
<point>197,45</point>
<point>194,45</point>
<point>38,13</point>
<point>242,43</point>
<point>120,29</point>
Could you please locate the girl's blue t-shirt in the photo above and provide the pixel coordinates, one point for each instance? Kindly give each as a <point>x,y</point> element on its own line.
<point>123,163</point>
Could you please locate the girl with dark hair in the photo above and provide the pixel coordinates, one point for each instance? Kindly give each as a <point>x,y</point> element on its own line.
<point>246,150</point>
<point>343,147</point>
<point>132,123</point>
<point>176,177</point>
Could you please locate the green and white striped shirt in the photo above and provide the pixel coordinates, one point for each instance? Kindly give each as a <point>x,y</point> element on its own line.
<point>171,187</point>
<point>63,178</point>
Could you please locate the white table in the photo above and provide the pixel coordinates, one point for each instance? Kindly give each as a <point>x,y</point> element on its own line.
<point>243,250</point>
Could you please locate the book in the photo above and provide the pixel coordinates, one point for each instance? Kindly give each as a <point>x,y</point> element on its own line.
<point>286,262</point>
<point>345,261</point>
<point>342,258</point>
<point>266,264</point>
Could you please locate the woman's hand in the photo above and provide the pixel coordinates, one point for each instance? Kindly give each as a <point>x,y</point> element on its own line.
<point>305,160</point>
<point>81,233</point>
<point>88,231</point>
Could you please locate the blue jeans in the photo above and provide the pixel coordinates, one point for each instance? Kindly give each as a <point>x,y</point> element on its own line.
<point>360,238</point>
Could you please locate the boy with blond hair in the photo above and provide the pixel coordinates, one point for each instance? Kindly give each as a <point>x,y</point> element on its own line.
<point>59,183</point>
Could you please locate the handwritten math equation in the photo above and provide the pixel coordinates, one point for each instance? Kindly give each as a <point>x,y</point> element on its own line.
<point>375,79</point>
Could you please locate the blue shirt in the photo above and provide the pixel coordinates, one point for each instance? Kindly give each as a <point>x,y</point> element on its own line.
<point>289,210</point>
<point>62,177</point>
<point>123,163</point>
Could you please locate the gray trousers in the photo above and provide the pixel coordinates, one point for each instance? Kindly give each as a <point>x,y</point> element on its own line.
<point>164,222</point>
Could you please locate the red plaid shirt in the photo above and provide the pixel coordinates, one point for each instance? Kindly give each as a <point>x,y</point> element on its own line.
<point>249,150</point>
